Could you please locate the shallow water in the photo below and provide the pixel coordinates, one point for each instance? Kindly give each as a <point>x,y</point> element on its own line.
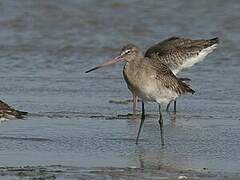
<point>75,119</point>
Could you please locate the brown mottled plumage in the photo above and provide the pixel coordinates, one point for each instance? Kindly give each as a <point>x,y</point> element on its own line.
<point>179,53</point>
<point>176,51</point>
<point>141,73</point>
<point>8,112</point>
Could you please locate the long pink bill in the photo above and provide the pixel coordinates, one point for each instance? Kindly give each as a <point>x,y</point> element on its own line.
<point>111,61</point>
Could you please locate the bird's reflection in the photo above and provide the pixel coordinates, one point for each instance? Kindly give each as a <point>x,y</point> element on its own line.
<point>163,160</point>
<point>155,159</point>
<point>173,117</point>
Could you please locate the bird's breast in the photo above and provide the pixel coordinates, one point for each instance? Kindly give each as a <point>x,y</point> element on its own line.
<point>140,83</point>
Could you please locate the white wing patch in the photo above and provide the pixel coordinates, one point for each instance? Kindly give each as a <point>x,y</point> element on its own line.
<point>191,61</point>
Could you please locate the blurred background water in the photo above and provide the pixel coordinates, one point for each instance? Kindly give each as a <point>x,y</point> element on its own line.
<point>45,47</point>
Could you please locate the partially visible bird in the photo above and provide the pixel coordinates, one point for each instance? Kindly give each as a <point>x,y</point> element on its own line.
<point>148,79</point>
<point>179,53</point>
<point>7,112</point>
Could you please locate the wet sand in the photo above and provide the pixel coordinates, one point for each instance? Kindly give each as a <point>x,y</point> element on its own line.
<point>79,125</point>
<point>68,172</point>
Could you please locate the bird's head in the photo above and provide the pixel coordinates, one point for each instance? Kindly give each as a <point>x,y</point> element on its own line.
<point>129,53</point>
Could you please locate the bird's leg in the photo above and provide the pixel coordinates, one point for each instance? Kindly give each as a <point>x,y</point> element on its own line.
<point>141,123</point>
<point>175,106</point>
<point>167,109</point>
<point>135,101</point>
<point>161,125</point>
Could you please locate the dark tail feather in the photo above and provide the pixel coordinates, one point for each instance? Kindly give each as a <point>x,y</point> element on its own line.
<point>188,89</point>
<point>185,87</point>
<point>14,114</point>
<point>22,112</point>
<point>213,41</point>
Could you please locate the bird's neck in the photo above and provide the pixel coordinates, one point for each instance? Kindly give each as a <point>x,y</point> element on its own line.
<point>131,73</point>
<point>131,68</point>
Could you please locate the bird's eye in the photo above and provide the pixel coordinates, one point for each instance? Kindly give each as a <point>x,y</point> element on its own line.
<point>127,52</point>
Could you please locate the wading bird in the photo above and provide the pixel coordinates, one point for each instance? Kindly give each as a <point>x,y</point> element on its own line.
<point>179,53</point>
<point>148,79</point>
<point>7,112</point>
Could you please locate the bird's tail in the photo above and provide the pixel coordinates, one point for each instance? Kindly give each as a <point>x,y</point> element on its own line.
<point>188,89</point>
<point>211,42</point>
<point>206,43</point>
<point>185,88</point>
<point>18,114</point>
<point>22,112</point>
